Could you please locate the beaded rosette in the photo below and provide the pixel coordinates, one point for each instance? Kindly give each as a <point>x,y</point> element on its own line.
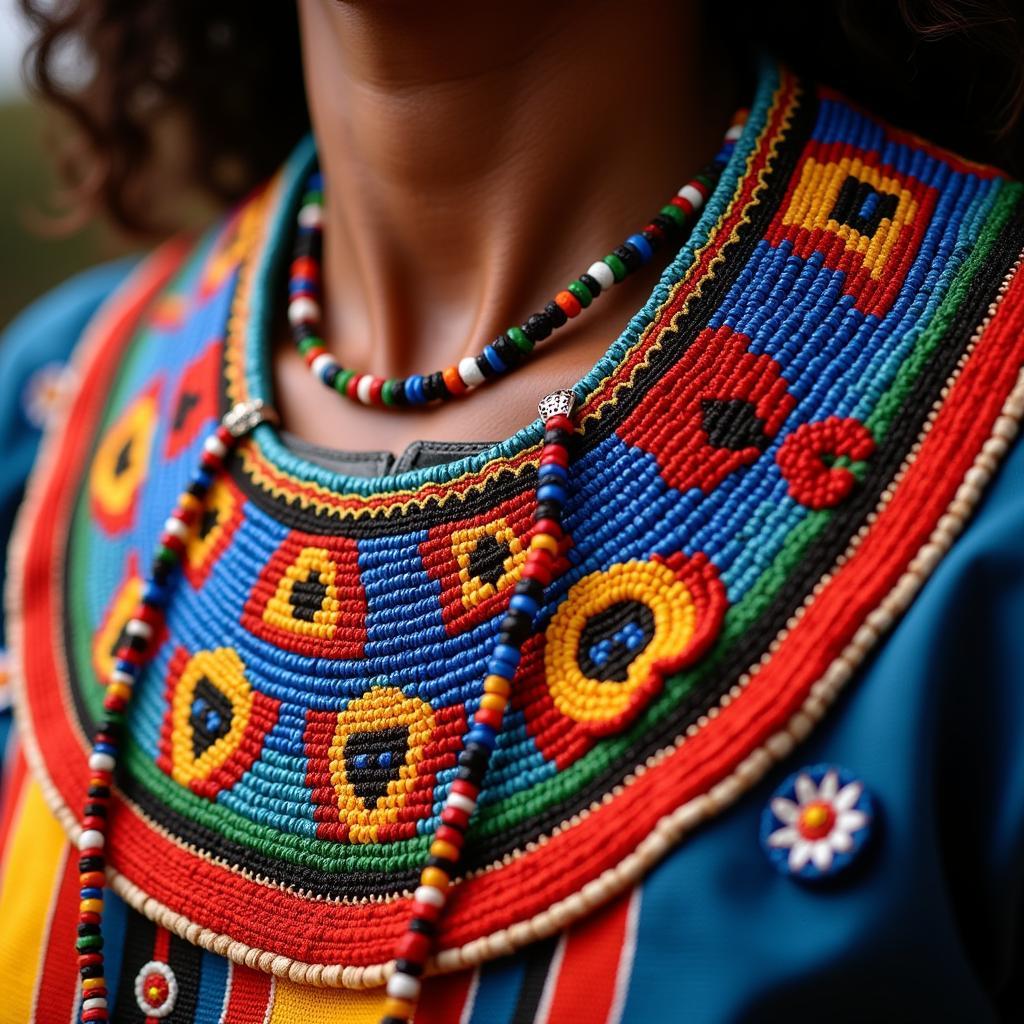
<point>768,463</point>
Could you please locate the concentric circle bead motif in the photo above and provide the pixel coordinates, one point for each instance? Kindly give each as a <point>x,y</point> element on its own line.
<point>122,462</point>
<point>156,990</point>
<point>215,723</point>
<point>373,766</point>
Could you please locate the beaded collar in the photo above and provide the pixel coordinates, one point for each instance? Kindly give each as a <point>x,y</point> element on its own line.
<point>770,460</point>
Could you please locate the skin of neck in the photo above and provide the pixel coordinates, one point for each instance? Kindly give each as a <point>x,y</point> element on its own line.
<point>476,158</point>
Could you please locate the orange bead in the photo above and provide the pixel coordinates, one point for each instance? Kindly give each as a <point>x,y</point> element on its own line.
<point>400,1008</point>
<point>439,848</point>
<point>435,877</point>
<point>494,701</point>
<point>453,381</point>
<point>545,541</point>
<point>497,684</point>
<point>568,303</point>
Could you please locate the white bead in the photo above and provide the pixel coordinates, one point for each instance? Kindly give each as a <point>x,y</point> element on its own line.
<point>470,372</point>
<point>429,894</point>
<point>363,388</point>
<point>95,1003</point>
<point>461,802</point>
<point>303,310</point>
<point>602,274</point>
<point>136,627</point>
<point>89,839</point>
<point>176,528</point>
<point>321,364</point>
<point>215,446</point>
<point>311,216</point>
<point>117,676</point>
<point>734,133</point>
<point>403,986</point>
<point>692,196</point>
<point>100,762</point>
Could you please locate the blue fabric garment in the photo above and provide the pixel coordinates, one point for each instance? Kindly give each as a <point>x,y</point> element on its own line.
<point>928,928</point>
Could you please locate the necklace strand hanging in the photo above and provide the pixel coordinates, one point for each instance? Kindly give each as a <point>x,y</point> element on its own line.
<point>509,350</point>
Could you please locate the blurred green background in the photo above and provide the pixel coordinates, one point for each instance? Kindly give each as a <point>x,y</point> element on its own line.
<point>34,256</point>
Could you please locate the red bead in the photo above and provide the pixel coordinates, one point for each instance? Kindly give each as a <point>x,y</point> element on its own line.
<point>175,544</point>
<point>130,654</point>
<point>94,821</point>
<point>465,788</point>
<point>89,917</point>
<point>89,959</point>
<point>212,463</point>
<point>554,453</point>
<point>112,702</point>
<point>558,422</point>
<point>653,229</point>
<point>447,834</point>
<point>549,526</point>
<point>375,389</point>
<point>305,267</point>
<point>97,1013</point>
<point>426,911</point>
<point>455,817</point>
<point>413,946</point>
<point>701,187</point>
<point>225,436</point>
<point>684,204</point>
<point>313,353</point>
<point>352,386</point>
<point>488,716</point>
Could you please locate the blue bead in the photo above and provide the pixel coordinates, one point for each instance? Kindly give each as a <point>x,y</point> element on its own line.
<point>105,748</point>
<point>128,667</point>
<point>506,652</point>
<point>642,247</point>
<point>551,492</point>
<point>315,182</point>
<point>482,734</point>
<point>203,477</point>
<point>302,284</point>
<point>552,469</point>
<point>155,594</point>
<point>524,603</point>
<point>414,389</point>
<point>494,359</point>
<point>90,893</point>
<point>384,759</point>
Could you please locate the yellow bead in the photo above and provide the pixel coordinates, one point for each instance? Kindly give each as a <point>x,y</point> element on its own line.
<point>544,540</point>
<point>91,906</point>
<point>494,701</point>
<point>497,684</point>
<point>441,848</point>
<point>120,690</point>
<point>91,983</point>
<point>400,1008</point>
<point>435,877</point>
<point>187,502</point>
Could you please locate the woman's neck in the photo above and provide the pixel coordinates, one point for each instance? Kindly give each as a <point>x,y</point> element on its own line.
<point>477,157</point>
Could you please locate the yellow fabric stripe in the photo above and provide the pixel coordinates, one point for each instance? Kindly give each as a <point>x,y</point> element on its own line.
<point>32,870</point>
<point>300,1004</point>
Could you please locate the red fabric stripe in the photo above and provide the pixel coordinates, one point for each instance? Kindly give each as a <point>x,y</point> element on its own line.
<point>57,986</point>
<point>250,993</point>
<point>15,771</point>
<point>585,990</point>
<point>444,998</point>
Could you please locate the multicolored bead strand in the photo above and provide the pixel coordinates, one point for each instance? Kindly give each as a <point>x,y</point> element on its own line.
<point>510,349</point>
<point>129,661</point>
<point>428,901</point>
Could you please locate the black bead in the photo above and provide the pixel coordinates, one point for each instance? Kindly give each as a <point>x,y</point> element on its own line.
<point>667,224</point>
<point>508,352</point>
<point>531,588</point>
<point>653,238</point>
<point>474,756</point>
<point>483,364</point>
<point>593,286</point>
<point>446,865</point>
<point>88,929</point>
<point>100,792</point>
<point>90,864</point>
<point>554,312</point>
<point>333,372</point>
<point>95,810</point>
<point>417,924</point>
<point>538,327</point>
<point>557,435</point>
<point>548,510</point>
<point>410,967</point>
<point>388,1019</point>
<point>398,395</point>
<point>304,330</point>
<point>628,255</point>
<point>111,727</point>
<point>91,970</point>
<point>433,387</point>
<point>517,626</point>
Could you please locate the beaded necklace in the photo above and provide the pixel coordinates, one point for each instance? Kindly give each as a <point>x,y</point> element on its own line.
<point>507,351</point>
<point>144,624</point>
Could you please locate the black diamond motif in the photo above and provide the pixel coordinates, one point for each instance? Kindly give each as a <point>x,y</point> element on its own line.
<point>487,560</point>
<point>612,640</point>
<point>124,458</point>
<point>733,423</point>
<point>186,403</point>
<point>307,597</point>
<point>863,207</point>
<point>210,716</point>
<point>207,522</point>
<point>373,759</point>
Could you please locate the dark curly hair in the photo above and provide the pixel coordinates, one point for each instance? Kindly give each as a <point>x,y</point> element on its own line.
<point>230,73</point>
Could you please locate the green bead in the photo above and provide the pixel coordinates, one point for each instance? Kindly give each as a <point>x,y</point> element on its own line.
<point>117,717</point>
<point>316,197</point>
<point>166,555</point>
<point>85,943</point>
<point>311,342</point>
<point>341,381</point>
<point>518,338</point>
<point>675,213</point>
<point>618,268</point>
<point>582,292</point>
<point>386,392</point>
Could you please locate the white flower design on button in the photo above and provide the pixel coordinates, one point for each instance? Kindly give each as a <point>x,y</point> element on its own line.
<point>817,822</point>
